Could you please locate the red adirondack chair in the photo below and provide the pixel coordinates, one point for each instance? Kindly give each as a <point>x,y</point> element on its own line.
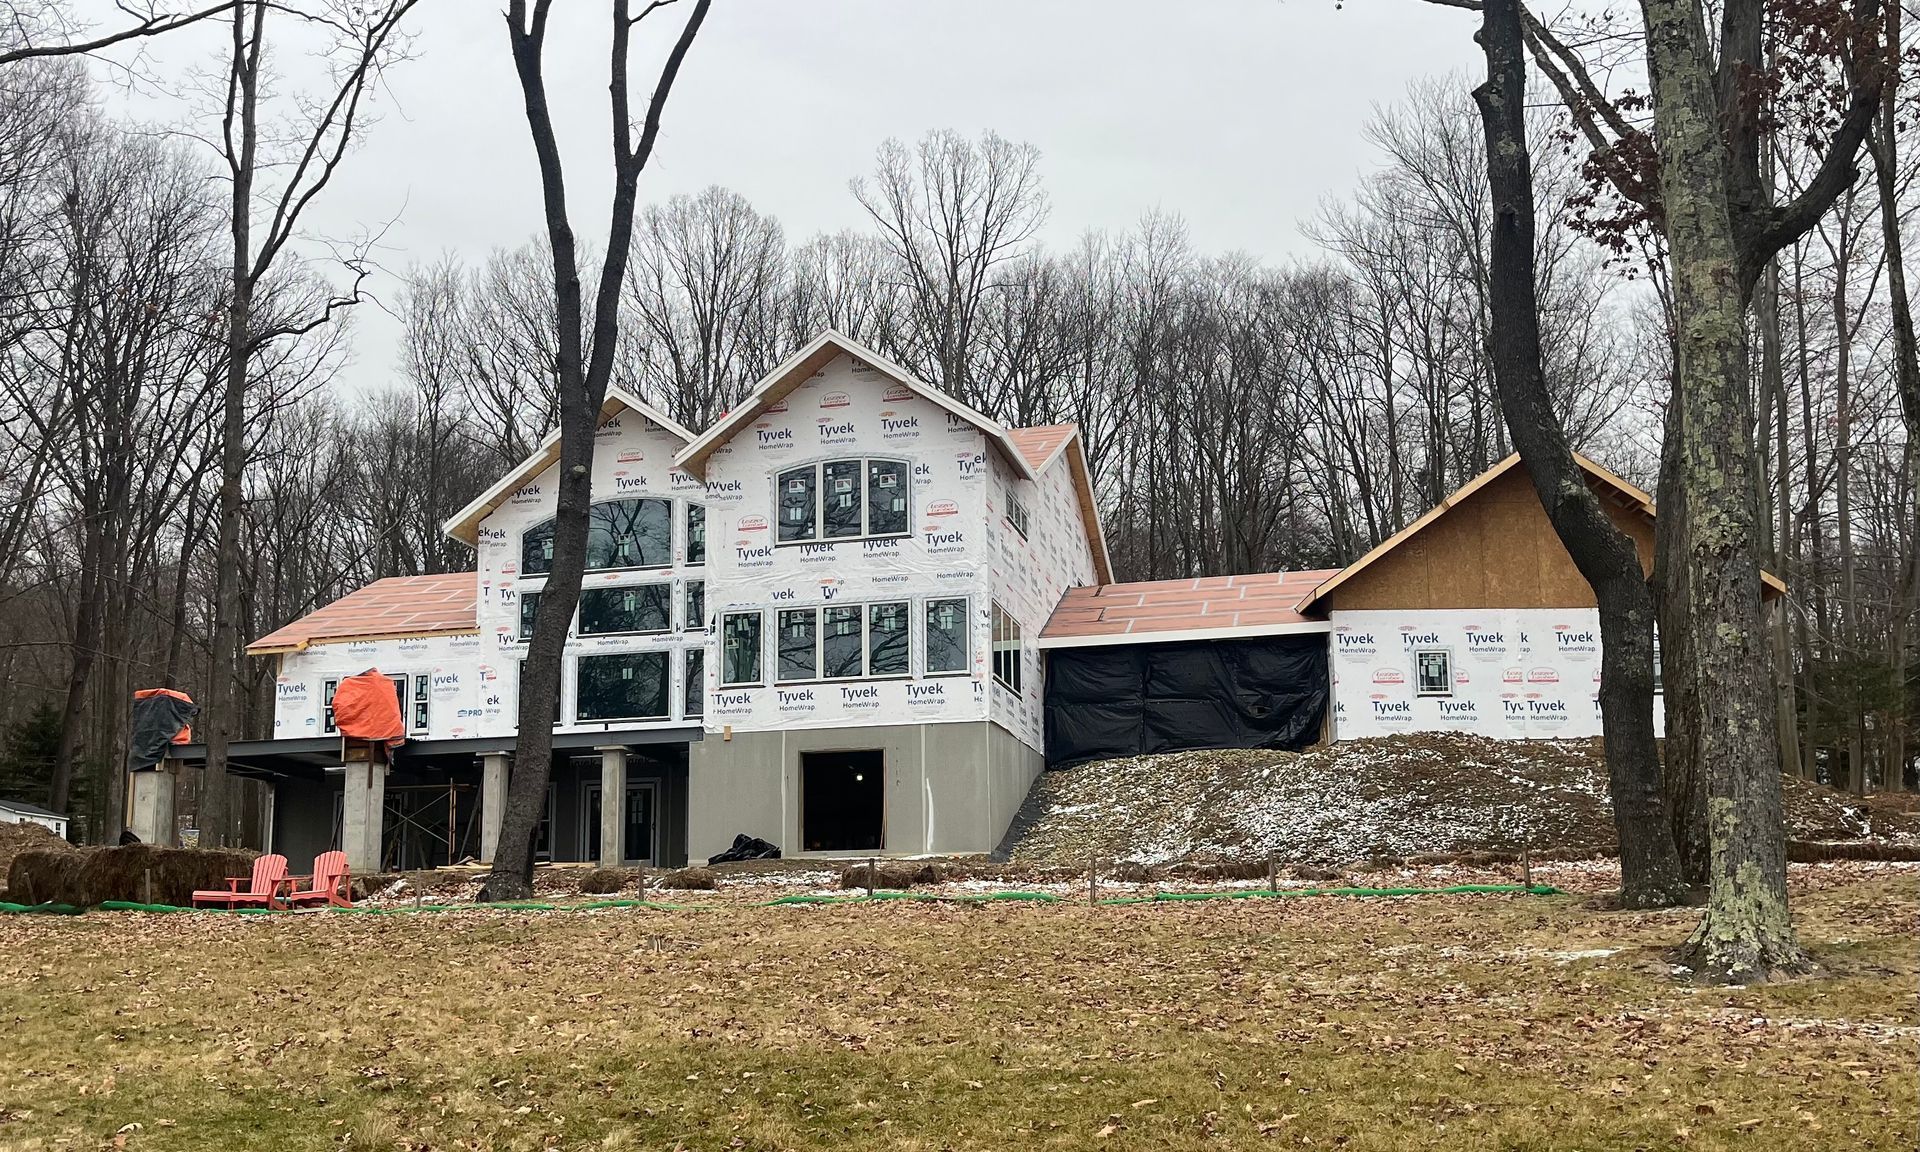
<point>327,885</point>
<point>269,872</point>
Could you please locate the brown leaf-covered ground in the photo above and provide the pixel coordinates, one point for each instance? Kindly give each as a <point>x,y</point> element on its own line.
<point>1470,1022</point>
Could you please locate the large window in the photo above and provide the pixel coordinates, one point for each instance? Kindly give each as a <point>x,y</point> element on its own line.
<point>629,686</point>
<point>740,648</point>
<point>843,500</point>
<point>1433,672</point>
<point>641,608</point>
<point>947,628</point>
<point>696,533</point>
<point>693,683</point>
<point>620,534</point>
<point>1007,662</point>
<point>843,641</point>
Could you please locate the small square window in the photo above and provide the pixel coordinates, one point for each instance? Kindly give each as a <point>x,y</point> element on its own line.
<point>1433,672</point>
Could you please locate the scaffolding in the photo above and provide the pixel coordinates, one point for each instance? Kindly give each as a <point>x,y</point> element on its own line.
<point>422,826</point>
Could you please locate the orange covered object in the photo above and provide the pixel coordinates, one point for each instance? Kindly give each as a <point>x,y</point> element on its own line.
<point>365,707</point>
<point>185,735</point>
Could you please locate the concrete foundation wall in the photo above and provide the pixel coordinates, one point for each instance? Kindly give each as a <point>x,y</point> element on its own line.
<point>950,788</point>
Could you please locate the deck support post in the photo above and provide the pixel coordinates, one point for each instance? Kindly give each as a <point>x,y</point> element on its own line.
<point>493,802</point>
<point>363,814</point>
<point>153,805</point>
<point>613,806</point>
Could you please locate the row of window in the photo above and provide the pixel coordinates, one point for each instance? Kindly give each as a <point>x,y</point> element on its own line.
<point>862,641</point>
<point>844,500</point>
<point>1433,670</point>
<point>635,533</point>
<point>627,610</point>
<point>620,686</point>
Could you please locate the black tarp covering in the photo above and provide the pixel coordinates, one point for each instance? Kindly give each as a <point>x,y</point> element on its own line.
<point>157,719</point>
<point>1131,699</point>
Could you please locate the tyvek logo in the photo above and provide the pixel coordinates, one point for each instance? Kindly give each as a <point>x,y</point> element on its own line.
<point>835,431</point>
<point>684,481</point>
<point>884,544</point>
<point>768,437</point>
<point>445,684</point>
<point>493,535</point>
<point>612,425</point>
<point>290,691</point>
<point>933,693</point>
<point>526,494</point>
<point>817,552</point>
<point>1512,708</point>
<point>1487,645</point>
<point>1412,639</point>
<point>835,400</point>
<point>895,427</point>
<point>782,594</point>
<point>1577,642</point>
<point>1391,711</point>
<point>1460,711</point>
<point>753,556</point>
<point>952,540</point>
<point>624,483</point>
<point>1355,643</point>
<point>725,491</point>
<point>795,700</point>
<point>867,696</point>
<point>1547,711</point>
<point>972,465</point>
<point>829,589</point>
<point>958,423</point>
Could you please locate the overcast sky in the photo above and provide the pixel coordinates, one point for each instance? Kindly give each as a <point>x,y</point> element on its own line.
<point>1240,115</point>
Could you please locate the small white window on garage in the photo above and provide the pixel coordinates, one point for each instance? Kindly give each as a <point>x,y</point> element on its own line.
<point>1433,672</point>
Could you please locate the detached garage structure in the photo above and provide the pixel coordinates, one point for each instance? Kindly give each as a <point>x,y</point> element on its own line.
<point>1473,618</point>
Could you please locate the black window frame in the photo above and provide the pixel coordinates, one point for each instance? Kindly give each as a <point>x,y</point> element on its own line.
<point>966,635</point>
<point>598,511</point>
<point>863,614</point>
<point>691,620</point>
<point>864,486</point>
<point>1420,688</point>
<point>664,592</point>
<point>529,605</point>
<point>693,682</point>
<point>580,680</point>
<point>759,644</point>
<point>691,511</point>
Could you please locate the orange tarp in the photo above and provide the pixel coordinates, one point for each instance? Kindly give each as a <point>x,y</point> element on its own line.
<point>366,708</point>
<point>185,735</point>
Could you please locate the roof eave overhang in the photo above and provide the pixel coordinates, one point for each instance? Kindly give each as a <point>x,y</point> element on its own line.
<point>259,649</point>
<point>1302,628</point>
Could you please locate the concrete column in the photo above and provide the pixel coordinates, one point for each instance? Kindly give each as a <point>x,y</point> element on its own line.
<point>361,816</point>
<point>493,802</point>
<point>153,807</point>
<point>613,806</point>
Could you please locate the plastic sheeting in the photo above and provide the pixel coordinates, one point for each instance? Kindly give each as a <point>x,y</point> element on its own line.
<point>1134,699</point>
<point>160,719</point>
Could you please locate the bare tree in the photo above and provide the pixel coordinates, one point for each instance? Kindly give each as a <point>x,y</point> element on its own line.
<point>582,376</point>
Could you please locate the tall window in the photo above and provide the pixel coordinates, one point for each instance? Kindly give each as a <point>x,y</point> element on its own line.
<point>529,608</point>
<point>843,641</point>
<point>693,684</point>
<point>641,608</point>
<point>1433,672</point>
<point>628,686</point>
<point>843,500</point>
<point>696,533</point>
<point>740,648</point>
<point>1006,649</point>
<point>696,606</point>
<point>422,694</point>
<point>326,706</point>
<point>620,534</point>
<point>947,628</point>
<point>1017,514</point>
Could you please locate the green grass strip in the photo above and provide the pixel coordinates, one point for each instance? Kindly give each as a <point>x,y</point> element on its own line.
<point>41,909</point>
<point>1268,894</point>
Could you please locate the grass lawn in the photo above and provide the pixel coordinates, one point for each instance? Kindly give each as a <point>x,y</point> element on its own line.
<point>1471,1022</point>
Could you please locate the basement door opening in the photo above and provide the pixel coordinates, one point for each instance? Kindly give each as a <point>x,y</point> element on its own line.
<point>843,801</point>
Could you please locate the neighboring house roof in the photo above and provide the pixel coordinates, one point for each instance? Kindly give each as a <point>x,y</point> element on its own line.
<point>800,367</point>
<point>1622,490</point>
<point>26,809</point>
<point>1200,608</point>
<point>398,606</point>
<point>465,524</point>
<point>1041,446</point>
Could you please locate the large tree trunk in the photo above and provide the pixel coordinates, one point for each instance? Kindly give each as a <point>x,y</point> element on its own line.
<point>582,386</point>
<point>1747,932</point>
<point>1606,556</point>
<point>1683,776</point>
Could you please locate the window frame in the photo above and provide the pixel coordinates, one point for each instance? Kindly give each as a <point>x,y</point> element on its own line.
<point>673,515</point>
<point>693,682</point>
<point>687,510</point>
<point>327,725</point>
<point>863,611</point>
<point>1420,689</point>
<point>420,704</point>
<point>580,618</point>
<point>689,621</point>
<point>1007,631</point>
<point>528,596</point>
<point>760,643</point>
<point>1016,515</point>
<point>966,636</point>
<point>666,686</point>
<point>863,487</point>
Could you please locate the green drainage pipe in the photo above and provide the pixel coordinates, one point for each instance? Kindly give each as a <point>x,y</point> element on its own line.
<point>788,901</point>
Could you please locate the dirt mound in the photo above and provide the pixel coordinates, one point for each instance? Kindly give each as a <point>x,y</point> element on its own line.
<point>135,872</point>
<point>1392,796</point>
<point>18,838</point>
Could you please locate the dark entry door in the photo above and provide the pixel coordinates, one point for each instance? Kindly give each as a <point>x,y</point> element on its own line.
<point>639,823</point>
<point>843,801</point>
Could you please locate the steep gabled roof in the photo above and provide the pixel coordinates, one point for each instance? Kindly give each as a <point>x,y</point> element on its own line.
<point>1046,443</point>
<point>465,524</point>
<point>396,607</point>
<point>1200,608</point>
<point>1621,490</point>
<point>800,367</point>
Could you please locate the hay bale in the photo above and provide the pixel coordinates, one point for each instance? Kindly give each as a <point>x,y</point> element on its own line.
<point>689,880</point>
<point>122,873</point>
<point>894,874</point>
<point>1315,875</point>
<point>44,875</point>
<point>603,881</point>
<point>1131,872</point>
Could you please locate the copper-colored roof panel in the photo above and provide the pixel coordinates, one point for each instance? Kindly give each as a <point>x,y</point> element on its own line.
<point>1038,444</point>
<point>397,606</point>
<point>1150,608</point>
